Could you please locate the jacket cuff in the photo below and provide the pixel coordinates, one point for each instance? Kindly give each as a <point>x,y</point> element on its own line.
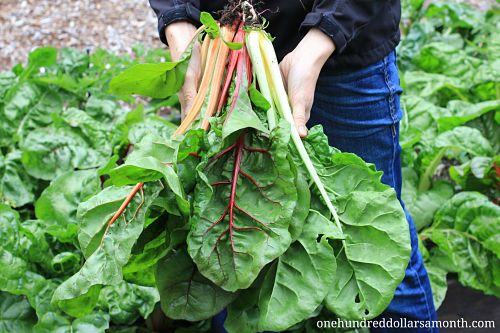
<point>327,25</point>
<point>185,12</point>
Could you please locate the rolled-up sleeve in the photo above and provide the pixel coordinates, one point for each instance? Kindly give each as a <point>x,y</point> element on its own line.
<point>342,19</point>
<point>169,11</point>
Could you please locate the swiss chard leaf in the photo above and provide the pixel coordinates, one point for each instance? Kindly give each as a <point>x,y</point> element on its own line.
<point>58,203</point>
<point>16,187</point>
<point>185,293</point>
<point>302,278</point>
<point>466,230</point>
<point>423,205</point>
<point>16,315</point>
<point>372,262</point>
<point>151,125</point>
<point>243,205</point>
<point>126,302</point>
<point>461,112</point>
<point>50,322</point>
<point>439,284</point>
<point>451,144</point>
<point>476,174</point>
<point>78,142</point>
<point>154,80</point>
<point>242,116</point>
<point>79,294</point>
<point>152,159</point>
<point>211,26</point>
<point>372,220</point>
<point>27,107</point>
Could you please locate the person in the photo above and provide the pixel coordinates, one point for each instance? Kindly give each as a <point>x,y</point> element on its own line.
<point>338,62</point>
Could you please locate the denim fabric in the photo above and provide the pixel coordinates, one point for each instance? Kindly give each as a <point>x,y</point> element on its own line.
<point>360,113</point>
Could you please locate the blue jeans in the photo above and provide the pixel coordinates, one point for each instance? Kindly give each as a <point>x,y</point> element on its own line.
<point>360,113</point>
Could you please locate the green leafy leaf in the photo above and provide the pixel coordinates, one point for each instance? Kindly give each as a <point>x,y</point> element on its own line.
<point>376,252</point>
<point>474,174</point>
<point>302,278</point>
<point>58,203</point>
<point>439,284</point>
<point>466,230</point>
<point>461,112</point>
<point>372,221</point>
<point>185,293</point>
<point>211,26</point>
<point>258,99</point>
<point>27,107</point>
<point>152,159</point>
<point>423,205</point>
<point>16,315</point>
<point>80,142</point>
<point>154,126</point>
<point>159,80</point>
<point>467,139</point>
<point>51,322</point>
<point>454,15</point>
<point>42,57</point>
<point>79,294</point>
<point>16,187</point>
<point>126,302</point>
<point>232,239</point>
<point>243,115</point>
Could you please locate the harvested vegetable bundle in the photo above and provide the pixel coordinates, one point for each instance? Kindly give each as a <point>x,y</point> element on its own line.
<point>234,209</point>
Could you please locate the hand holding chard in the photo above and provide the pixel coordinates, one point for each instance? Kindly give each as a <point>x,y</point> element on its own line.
<point>300,70</point>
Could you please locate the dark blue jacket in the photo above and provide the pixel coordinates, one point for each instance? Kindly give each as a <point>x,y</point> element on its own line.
<point>364,31</point>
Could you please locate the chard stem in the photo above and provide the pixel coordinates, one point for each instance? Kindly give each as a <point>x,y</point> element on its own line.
<point>218,74</point>
<point>426,179</point>
<point>195,110</point>
<point>260,71</point>
<point>205,46</point>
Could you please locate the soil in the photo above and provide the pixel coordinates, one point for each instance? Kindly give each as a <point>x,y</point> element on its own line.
<point>115,25</point>
<point>470,305</point>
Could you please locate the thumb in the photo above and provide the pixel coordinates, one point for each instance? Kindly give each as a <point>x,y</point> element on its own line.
<point>299,117</point>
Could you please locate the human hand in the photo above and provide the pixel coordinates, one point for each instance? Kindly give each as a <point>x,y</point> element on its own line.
<point>300,69</point>
<point>179,35</point>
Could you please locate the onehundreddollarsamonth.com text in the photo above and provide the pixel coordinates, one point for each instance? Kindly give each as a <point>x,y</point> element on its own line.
<point>405,323</point>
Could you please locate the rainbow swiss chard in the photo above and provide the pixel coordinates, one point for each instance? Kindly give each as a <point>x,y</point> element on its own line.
<point>261,222</point>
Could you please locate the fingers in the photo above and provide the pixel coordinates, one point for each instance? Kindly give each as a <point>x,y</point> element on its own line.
<point>300,117</point>
<point>284,69</point>
<point>178,35</point>
<point>190,87</point>
<point>187,95</point>
<point>299,101</point>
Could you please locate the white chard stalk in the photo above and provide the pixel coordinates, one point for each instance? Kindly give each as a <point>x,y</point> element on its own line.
<point>270,81</point>
<point>252,38</point>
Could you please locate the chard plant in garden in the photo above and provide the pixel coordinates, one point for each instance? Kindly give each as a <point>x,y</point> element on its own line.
<point>253,219</point>
<point>450,138</point>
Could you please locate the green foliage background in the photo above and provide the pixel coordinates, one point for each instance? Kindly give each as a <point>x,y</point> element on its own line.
<point>60,131</point>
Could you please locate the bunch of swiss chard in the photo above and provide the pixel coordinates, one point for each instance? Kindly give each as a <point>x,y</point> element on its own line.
<point>234,210</point>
